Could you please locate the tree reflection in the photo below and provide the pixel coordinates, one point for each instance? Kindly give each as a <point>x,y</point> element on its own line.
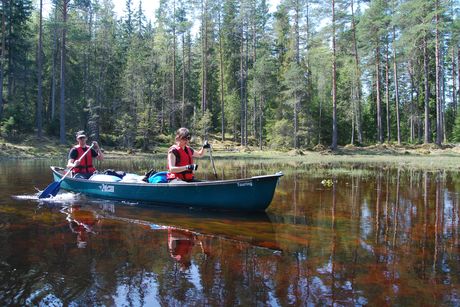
<point>387,237</point>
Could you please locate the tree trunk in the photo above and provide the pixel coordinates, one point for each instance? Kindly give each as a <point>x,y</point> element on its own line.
<point>439,133</point>
<point>395,71</point>
<point>334,83</point>
<point>353,115</point>
<point>296,121</point>
<point>221,75</point>
<point>2,57</point>
<point>427,134</point>
<point>297,61</point>
<point>204,38</point>
<point>39,74</point>
<point>412,104</point>
<point>246,98</point>
<point>443,98</point>
<point>261,118</point>
<point>358,111</point>
<point>458,76</point>
<point>182,115</point>
<point>454,83</point>
<point>242,96</point>
<point>387,91</point>
<point>254,59</point>
<point>62,137</point>
<point>10,60</point>
<point>191,106</point>
<point>86,93</point>
<point>378,101</point>
<point>173,71</point>
<point>320,120</point>
<point>53,68</point>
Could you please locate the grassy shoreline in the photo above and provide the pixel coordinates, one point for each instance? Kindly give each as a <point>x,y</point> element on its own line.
<point>420,156</point>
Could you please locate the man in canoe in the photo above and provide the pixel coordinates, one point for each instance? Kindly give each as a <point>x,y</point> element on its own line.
<point>180,157</point>
<point>83,168</point>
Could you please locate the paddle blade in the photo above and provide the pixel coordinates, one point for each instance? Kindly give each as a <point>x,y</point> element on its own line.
<point>50,190</point>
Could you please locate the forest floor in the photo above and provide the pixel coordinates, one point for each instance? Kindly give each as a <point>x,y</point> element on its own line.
<point>420,156</point>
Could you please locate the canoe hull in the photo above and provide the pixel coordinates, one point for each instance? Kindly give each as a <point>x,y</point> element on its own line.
<point>251,194</point>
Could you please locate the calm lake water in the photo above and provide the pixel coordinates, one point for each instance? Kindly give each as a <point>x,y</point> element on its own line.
<point>367,235</point>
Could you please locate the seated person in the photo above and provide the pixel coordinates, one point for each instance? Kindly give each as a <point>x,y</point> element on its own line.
<point>83,168</point>
<point>180,157</point>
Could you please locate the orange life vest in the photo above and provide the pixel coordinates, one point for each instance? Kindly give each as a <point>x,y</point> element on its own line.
<point>86,164</point>
<point>183,157</point>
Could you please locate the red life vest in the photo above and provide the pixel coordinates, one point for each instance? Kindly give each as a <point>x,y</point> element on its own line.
<point>86,164</point>
<point>183,158</point>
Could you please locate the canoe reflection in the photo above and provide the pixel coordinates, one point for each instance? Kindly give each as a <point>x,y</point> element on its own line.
<point>186,229</point>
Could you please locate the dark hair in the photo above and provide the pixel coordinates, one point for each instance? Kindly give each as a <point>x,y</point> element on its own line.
<point>182,133</point>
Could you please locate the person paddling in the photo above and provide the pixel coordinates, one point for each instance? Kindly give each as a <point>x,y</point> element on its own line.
<point>84,168</point>
<point>180,157</point>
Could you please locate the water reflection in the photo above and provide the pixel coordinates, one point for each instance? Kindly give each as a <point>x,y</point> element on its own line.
<point>389,236</point>
<point>81,223</point>
<point>375,236</point>
<point>180,244</point>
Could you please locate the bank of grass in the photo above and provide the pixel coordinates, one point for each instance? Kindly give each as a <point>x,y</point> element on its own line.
<point>382,155</point>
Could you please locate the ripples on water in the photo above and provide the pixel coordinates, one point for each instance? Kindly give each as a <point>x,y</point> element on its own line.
<point>334,235</point>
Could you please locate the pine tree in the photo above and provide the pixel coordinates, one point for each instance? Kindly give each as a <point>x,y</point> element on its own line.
<point>373,27</point>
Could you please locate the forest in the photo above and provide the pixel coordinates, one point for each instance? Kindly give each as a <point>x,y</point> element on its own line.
<point>308,72</point>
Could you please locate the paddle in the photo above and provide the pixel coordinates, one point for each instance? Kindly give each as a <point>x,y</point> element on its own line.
<point>53,188</point>
<point>212,161</point>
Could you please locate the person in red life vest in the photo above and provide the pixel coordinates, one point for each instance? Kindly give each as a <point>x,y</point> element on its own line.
<point>84,168</point>
<point>180,157</point>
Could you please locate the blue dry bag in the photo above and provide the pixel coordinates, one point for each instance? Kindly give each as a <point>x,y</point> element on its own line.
<point>159,177</point>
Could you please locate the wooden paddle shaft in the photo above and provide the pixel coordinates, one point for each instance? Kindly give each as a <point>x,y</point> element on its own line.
<point>212,161</point>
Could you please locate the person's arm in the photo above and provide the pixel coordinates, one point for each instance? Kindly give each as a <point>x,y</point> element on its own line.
<point>72,159</point>
<point>200,153</point>
<point>97,149</point>
<point>172,163</point>
<point>178,169</point>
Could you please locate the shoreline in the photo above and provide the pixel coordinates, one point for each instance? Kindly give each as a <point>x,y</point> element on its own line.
<point>417,156</point>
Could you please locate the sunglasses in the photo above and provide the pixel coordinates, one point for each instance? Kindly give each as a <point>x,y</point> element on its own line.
<point>188,137</point>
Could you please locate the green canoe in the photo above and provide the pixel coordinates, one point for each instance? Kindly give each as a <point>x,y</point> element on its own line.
<point>249,194</point>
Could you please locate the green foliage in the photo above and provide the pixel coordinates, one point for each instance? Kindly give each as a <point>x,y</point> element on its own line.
<point>120,69</point>
<point>456,130</point>
<point>7,128</point>
<point>280,134</point>
<point>204,124</point>
<point>126,131</point>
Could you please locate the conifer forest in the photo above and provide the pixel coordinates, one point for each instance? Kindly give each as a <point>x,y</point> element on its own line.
<point>302,73</point>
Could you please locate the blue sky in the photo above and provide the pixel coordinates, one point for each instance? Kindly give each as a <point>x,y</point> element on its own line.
<point>149,6</point>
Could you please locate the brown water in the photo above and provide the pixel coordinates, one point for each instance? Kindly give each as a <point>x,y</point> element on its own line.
<point>366,236</point>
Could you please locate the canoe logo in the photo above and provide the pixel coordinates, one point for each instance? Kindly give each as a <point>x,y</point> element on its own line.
<point>245,184</point>
<point>107,188</point>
